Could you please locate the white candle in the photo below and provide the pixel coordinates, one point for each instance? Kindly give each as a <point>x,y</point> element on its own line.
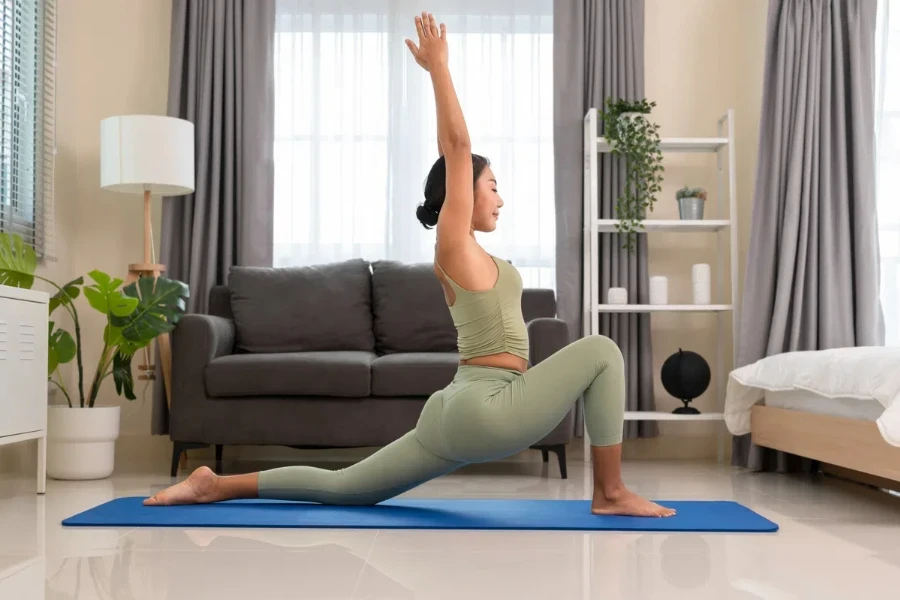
<point>617,296</point>
<point>701,284</point>
<point>659,290</point>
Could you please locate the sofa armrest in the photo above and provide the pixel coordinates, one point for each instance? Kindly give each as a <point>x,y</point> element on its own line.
<point>196,341</point>
<point>546,336</point>
<point>199,339</point>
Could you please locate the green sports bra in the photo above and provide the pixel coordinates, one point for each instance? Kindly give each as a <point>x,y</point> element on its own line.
<point>490,321</point>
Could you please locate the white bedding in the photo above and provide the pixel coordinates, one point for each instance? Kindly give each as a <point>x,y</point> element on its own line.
<point>865,374</point>
<point>848,408</point>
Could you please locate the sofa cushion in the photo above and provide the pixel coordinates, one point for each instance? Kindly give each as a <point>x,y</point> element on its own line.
<point>410,312</point>
<point>340,374</point>
<point>413,373</point>
<point>303,309</point>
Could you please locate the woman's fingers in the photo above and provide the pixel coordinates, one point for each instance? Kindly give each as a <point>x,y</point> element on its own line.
<point>426,28</point>
<point>420,29</point>
<point>412,47</point>
<point>433,24</point>
<point>443,31</point>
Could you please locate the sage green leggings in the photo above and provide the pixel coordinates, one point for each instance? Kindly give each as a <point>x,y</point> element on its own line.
<point>484,414</point>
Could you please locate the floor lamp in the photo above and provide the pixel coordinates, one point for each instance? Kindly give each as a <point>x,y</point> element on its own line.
<point>146,155</point>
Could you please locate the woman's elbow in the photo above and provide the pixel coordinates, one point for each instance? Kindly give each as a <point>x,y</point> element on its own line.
<point>457,143</point>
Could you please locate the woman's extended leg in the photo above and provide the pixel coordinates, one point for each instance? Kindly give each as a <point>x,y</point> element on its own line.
<point>392,470</point>
<point>534,403</point>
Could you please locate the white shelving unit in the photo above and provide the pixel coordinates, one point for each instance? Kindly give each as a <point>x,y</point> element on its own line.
<point>722,224</point>
<point>650,308</point>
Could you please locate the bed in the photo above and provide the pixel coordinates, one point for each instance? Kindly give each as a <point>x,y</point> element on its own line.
<point>840,407</point>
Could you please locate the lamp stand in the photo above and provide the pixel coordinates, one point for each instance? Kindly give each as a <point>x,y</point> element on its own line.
<point>150,269</point>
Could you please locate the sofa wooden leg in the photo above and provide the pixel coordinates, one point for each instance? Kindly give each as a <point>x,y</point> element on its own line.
<point>560,451</point>
<point>178,449</point>
<point>219,458</point>
<point>561,454</point>
<point>176,458</point>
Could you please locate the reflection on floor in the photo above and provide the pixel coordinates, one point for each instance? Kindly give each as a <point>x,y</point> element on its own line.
<point>836,541</point>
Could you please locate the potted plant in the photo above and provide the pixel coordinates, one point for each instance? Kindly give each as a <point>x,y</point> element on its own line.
<point>633,137</point>
<point>81,436</point>
<point>691,202</point>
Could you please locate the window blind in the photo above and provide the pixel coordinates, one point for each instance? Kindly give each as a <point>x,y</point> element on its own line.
<point>27,120</point>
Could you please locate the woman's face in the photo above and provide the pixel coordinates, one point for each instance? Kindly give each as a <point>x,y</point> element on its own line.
<point>487,203</point>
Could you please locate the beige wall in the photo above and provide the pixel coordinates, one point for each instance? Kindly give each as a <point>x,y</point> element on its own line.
<point>113,58</point>
<point>702,57</point>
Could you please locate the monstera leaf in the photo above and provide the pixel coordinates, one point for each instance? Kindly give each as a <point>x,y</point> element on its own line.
<point>67,295</point>
<point>61,348</point>
<point>18,262</point>
<point>106,297</point>
<point>161,303</point>
<point>122,375</point>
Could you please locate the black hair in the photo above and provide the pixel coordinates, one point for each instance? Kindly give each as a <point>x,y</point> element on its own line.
<point>436,189</point>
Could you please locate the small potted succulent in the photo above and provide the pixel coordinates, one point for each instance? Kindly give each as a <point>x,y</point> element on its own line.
<point>691,202</point>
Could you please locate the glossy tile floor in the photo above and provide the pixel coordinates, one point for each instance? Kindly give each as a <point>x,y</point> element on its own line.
<point>836,541</point>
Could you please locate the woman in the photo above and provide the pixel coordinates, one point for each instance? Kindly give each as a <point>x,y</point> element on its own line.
<point>495,405</point>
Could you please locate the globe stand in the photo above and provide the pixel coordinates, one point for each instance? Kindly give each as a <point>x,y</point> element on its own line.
<point>686,410</point>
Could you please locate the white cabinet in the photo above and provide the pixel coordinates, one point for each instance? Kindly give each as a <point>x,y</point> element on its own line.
<point>23,370</point>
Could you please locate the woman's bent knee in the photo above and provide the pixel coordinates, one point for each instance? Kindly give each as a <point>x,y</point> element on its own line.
<point>603,348</point>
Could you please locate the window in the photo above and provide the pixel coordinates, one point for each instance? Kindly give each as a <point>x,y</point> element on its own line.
<point>887,133</point>
<point>355,128</point>
<point>27,56</point>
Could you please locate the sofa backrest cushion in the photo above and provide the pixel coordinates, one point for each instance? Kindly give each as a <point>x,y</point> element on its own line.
<point>410,312</point>
<point>303,309</point>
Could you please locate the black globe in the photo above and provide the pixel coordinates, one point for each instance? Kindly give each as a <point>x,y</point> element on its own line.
<point>685,375</point>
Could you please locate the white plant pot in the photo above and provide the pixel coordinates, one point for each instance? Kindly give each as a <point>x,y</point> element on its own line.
<point>81,442</point>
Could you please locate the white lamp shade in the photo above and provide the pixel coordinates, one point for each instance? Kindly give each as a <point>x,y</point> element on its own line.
<point>147,152</point>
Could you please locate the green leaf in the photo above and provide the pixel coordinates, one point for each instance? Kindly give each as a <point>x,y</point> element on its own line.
<point>97,299</point>
<point>129,348</point>
<point>61,348</point>
<point>112,335</point>
<point>69,292</point>
<point>18,261</point>
<point>122,375</point>
<point>121,305</point>
<point>106,297</point>
<point>101,279</point>
<point>161,305</point>
<point>104,282</point>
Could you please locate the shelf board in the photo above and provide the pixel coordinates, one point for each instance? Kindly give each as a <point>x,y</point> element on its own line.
<point>609,225</point>
<point>679,144</point>
<point>641,415</point>
<point>643,308</point>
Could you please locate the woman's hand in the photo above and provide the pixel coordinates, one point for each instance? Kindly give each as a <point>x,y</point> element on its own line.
<point>432,49</point>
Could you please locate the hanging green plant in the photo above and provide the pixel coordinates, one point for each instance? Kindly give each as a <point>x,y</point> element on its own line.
<point>633,137</point>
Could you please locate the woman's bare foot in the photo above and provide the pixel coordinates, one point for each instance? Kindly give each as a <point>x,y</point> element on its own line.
<point>627,503</point>
<point>199,488</point>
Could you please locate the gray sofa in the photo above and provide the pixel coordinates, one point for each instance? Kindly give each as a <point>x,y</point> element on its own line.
<point>334,356</point>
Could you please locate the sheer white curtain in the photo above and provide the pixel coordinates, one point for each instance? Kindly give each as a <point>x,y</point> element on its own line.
<point>887,131</point>
<point>355,128</point>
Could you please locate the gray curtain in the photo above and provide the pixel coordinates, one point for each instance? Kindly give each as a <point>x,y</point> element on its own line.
<point>813,267</point>
<point>221,78</point>
<point>598,52</point>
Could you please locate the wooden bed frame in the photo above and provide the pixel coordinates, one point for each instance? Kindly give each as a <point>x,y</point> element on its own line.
<point>853,444</point>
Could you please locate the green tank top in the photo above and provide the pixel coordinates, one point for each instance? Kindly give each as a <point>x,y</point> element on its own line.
<point>490,321</point>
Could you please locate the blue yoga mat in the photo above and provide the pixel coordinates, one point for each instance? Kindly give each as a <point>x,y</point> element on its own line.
<point>571,515</point>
